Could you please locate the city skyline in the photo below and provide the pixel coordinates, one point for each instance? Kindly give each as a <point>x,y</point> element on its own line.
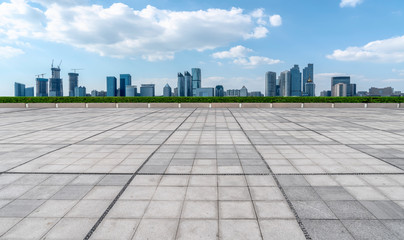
<point>350,39</point>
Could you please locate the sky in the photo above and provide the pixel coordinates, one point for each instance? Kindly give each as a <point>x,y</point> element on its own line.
<point>233,42</point>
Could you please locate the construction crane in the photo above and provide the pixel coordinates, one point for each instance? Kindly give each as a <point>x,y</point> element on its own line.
<point>76,69</point>
<point>42,74</point>
<point>60,64</point>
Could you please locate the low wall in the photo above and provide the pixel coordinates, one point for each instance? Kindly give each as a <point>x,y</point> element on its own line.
<point>201,105</point>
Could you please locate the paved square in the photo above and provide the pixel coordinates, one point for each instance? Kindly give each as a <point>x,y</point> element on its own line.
<point>202,173</point>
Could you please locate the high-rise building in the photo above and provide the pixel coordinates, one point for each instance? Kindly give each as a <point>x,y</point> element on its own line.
<point>325,93</point>
<point>188,84</point>
<point>175,93</point>
<point>340,90</point>
<point>181,85</point>
<point>131,91</point>
<point>219,91</point>
<point>352,89</point>
<point>255,94</point>
<point>310,88</point>
<point>340,79</point>
<point>41,87</point>
<point>167,91</point>
<point>233,93</point>
<point>243,92</point>
<point>270,84</point>
<point>80,91</point>
<point>295,81</point>
<point>284,84</point>
<point>111,87</point>
<point>29,92</point>
<point>196,79</point>
<point>94,93</point>
<point>55,83</point>
<point>308,73</point>
<point>19,89</point>
<point>124,80</point>
<point>147,90</point>
<point>205,92</point>
<point>73,83</point>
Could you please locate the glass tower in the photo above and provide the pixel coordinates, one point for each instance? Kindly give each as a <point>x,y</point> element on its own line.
<point>29,92</point>
<point>167,91</point>
<point>19,90</point>
<point>181,85</point>
<point>270,84</point>
<point>295,81</point>
<point>196,80</point>
<point>147,90</point>
<point>55,83</point>
<point>111,87</point>
<point>188,84</point>
<point>308,73</point>
<point>341,79</point>
<point>41,87</point>
<point>124,80</point>
<point>219,91</point>
<point>73,83</point>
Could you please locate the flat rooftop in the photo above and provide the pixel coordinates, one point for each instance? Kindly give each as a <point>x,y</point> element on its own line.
<point>202,173</point>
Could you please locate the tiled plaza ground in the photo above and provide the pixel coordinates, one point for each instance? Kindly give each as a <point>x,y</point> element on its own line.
<point>202,174</point>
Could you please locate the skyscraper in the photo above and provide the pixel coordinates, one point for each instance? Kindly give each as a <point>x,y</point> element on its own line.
<point>295,81</point>
<point>73,83</point>
<point>308,73</point>
<point>270,84</point>
<point>19,89</point>
<point>341,79</point>
<point>205,92</point>
<point>147,90</point>
<point>219,91</point>
<point>41,87</point>
<point>310,88</point>
<point>188,84</point>
<point>167,91</point>
<point>284,84</point>
<point>196,80</point>
<point>340,90</point>
<point>111,86</point>
<point>124,80</point>
<point>181,85</point>
<point>55,83</point>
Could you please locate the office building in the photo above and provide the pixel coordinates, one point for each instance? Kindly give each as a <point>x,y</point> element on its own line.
<point>29,92</point>
<point>111,87</point>
<point>124,80</point>
<point>80,91</point>
<point>295,81</point>
<point>19,90</point>
<point>175,93</point>
<point>255,94</point>
<point>243,92</point>
<point>233,93</point>
<point>352,90</point>
<point>383,92</point>
<point>205,92</point>
<point>41,87</point>
<point>219,91</point>
<point>147,90</point>
<point>167,91</point>
<point>325,93</point>
<point>196,80</point>
<point>131,91</point>
<point>284,84</point>
<point>188,84</point>
<point>181,85</point>
<point>55,83</point>
<point>73,83</point>
<point>308,73</point>
<point>310,89</point>
<point>340,90</point>
<point>94,93</point>
<point>270,84</point>
<point>340,79</point>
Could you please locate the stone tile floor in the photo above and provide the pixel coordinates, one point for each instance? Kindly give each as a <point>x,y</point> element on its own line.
<point>202,174</point>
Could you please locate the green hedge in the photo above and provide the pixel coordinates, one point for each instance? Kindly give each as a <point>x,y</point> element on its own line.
<point>202,99</point>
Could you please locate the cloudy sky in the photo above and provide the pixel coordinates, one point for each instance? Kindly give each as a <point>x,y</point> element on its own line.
<point>233,42</point>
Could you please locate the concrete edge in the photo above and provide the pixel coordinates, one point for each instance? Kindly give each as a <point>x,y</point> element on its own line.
<point>101,105</point>
<point>71,105</point>
<point>13,105</point>
<point>41,105</point>
<point>318,105</point>
<point>132,105</point>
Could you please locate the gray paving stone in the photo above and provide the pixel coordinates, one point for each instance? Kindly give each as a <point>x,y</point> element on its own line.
<point>71,228</point>
<point>198,229</point>
<point>116,229</point>
<point>384,209</point>
<point>396,226</point>
<point>349,210</point>
<point>333,193</point>
<point>72,192</point>
<point>31,228</point>
<point>156,229</point>
<point>369,229</point>
<point>301,193</point>
<point>293,180</point>
<point>239,229</point>
<point>313,210</point>
<point>327,230</point>
<point>20,208</point>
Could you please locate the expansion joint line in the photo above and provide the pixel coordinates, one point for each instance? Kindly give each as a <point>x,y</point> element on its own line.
<point>292,208</point>
<point>99,221</point>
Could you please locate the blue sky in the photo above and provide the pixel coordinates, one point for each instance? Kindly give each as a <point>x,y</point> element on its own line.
<point>233,42</point>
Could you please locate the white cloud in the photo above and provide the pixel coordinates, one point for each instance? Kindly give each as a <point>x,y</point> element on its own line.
<point>393,80</point>
<point>275,20</point>
<point>121,31</point>
<point>399,71</point>
<point>254,61</point>
<point>235,52</point>
<point>9,52</point>
<point>389,50</point>
<point>239,54</point>
<point>350,3</point>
